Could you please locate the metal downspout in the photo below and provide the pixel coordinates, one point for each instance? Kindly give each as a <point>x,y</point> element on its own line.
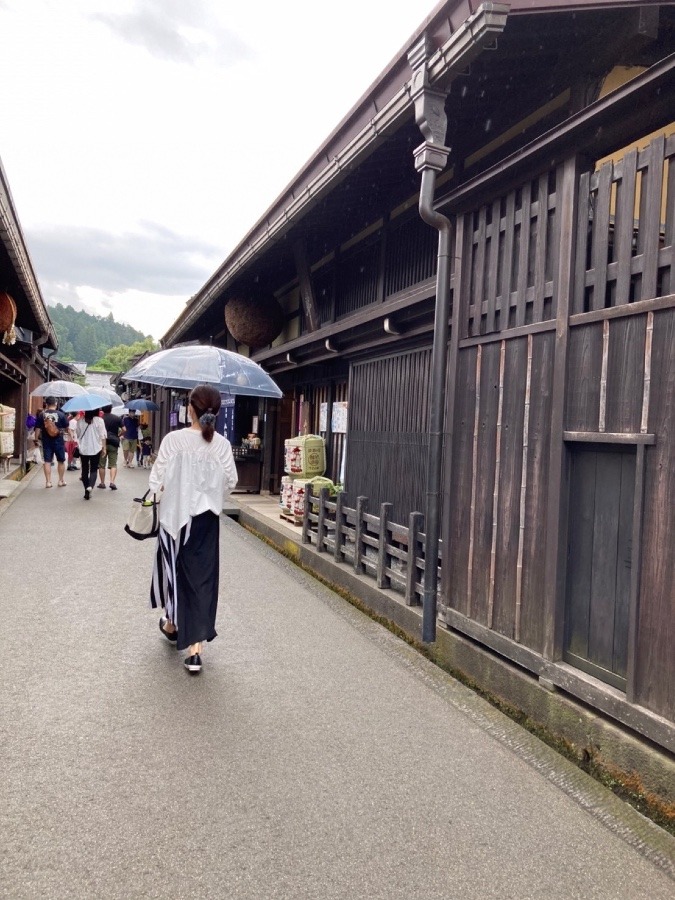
<point>430,158</point>
<point>432,523</point>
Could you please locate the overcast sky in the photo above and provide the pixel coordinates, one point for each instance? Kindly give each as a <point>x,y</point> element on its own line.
<point>142,138</point>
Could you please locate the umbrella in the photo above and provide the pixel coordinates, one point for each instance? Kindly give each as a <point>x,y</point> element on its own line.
<point>142,405</point>
<point>113,398</point>
<point>186,367</point>
<point>85,402</point>
<point>58,389</point>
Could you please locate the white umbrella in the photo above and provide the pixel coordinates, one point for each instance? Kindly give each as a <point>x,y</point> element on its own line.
<point>113,398</point>
<point>58,389</point>
<point>186,367</point>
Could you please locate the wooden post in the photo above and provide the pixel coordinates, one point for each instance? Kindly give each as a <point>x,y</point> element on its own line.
<point>321,524</point>
<point>414,527</point>
<point>339,526</point>
<point>361,509</point>
<point>306,527</point>
<point>556,530</point>
<point>382,557</point>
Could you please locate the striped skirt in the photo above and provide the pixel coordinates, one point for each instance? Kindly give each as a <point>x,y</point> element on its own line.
<point>185,578</point>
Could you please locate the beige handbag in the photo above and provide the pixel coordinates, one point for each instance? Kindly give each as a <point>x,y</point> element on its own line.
<point>143,521</point>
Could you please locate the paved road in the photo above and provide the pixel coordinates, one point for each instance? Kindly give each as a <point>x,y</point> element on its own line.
<point>317,756</point>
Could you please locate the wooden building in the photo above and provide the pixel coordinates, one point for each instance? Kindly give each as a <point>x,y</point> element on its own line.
<point>27,336</point>
<point>558,501</point>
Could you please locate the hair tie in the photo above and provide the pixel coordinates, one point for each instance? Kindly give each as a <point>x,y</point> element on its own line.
<point>207,419</point>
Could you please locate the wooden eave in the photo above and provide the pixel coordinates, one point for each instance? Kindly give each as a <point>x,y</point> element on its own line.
<point>18,275</point>
<point>384,114</point>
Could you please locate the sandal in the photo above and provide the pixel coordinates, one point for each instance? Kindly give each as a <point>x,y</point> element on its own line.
<point>60,484</point>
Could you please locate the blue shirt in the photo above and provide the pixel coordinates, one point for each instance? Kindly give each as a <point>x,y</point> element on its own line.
<point>131,428</point>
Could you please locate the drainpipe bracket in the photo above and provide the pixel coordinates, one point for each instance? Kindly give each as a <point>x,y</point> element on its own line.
<point>431,156</point>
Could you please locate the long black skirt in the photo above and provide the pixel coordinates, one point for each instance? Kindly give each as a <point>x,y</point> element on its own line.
<point>185,578</point>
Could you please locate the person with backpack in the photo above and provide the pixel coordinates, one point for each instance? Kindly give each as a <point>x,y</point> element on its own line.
<point>50,426</point>
<point>113,427</point>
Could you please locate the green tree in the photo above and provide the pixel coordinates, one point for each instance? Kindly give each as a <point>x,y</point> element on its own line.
<point>87,338</point>
<point>118,359</point>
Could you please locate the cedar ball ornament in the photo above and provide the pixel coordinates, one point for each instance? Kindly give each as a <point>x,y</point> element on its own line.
<point>255,320</point>
<point>7,318</point>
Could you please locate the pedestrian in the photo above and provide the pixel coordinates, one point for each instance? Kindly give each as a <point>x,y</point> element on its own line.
<point>91,439</point>
<point>139,441</point>
<point>113,428</point>
<point>50,425</point>
<point>195,471</point>
<point>129,439</point>
<point>71,441</point>
<point>146,452</point>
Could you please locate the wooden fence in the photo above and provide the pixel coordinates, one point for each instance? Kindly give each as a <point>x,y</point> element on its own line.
<point>374,545</point>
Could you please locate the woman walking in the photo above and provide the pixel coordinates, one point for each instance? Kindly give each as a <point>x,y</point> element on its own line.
<point>195,471</point>
<point>91,437</point>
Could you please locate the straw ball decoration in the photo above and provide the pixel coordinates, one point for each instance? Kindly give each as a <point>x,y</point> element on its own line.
<point>7,318</point>
<point>254,320</point>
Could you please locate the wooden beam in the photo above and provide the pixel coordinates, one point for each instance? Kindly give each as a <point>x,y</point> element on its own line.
<point>554,578</point>
<point>306,289</point>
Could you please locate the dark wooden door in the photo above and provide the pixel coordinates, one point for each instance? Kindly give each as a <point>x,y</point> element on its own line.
<point>602,488</point>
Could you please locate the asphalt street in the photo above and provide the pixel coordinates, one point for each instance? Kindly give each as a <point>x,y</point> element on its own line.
<point>316,756</point>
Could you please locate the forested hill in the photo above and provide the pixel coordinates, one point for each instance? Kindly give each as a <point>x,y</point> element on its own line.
<point>86,338</point>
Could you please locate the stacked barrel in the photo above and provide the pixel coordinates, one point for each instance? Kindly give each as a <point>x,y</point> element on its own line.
<point>304,460</point>
<point>7,426</point>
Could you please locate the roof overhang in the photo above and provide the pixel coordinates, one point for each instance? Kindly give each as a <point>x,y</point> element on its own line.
<point>460,30</point>
<point>31,309</point>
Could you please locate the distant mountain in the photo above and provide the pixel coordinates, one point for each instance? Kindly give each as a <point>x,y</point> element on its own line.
<point>88,338</point>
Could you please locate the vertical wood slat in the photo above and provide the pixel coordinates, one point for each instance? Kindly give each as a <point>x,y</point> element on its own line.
<point>479,272</point>
<point>651,223</point>
<point>540,250</point>
<point>415,520</point>
<point>636,556</point>
<point>624,226</point>
<point>578,304</point>
<point>338,549</point>
<point>495,493</point>
<point>646,390</point>
<point>507,260</point>
<point>462,293</point>
<point>493,268</point>
<point>602,416</point>
<point>523,491</point>
<point>524,253</point>
<point>474,484</point>
<point>307,507</point>
<point>382,557</point>
<point>321,521</point>
<point>668,286</point>
<point>361,510</point>
<point>601,235</point>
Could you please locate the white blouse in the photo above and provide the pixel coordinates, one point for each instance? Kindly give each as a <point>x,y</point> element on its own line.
<point>196,476</point>
<point>91,436</point>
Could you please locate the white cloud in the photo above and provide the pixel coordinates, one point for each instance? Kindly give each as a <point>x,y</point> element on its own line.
<point>177,31</point>
<point>189,115</point>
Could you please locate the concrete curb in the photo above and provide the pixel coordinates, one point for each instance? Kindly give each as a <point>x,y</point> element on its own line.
<point>556,716</point>
<point>6,502</point>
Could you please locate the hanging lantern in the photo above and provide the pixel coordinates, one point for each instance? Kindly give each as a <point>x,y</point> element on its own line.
<point>7,318</point>
<point>254,320</point>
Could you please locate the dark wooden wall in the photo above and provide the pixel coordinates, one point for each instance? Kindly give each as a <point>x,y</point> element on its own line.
<point>387,449</point>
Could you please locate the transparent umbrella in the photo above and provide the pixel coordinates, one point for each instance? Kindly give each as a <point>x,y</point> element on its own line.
<point>186,367</point>
<point>58,389</point>
<point>112,398</point>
